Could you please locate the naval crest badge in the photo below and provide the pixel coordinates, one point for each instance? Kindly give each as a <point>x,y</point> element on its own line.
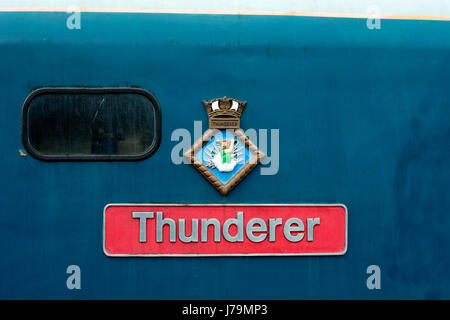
<point>224,155</point>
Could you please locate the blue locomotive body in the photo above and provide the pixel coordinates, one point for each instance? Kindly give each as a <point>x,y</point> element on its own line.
<point>363,120</point>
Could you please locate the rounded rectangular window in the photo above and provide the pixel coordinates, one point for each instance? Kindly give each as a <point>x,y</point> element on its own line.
<point>91,124</point>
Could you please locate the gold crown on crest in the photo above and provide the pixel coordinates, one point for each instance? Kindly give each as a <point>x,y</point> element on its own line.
<point>224,113</point>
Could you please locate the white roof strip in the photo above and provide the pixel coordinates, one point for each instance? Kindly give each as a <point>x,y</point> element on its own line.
<point>344,8</point>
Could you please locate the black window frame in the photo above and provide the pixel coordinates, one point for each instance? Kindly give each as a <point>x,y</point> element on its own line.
<point>90,90</point>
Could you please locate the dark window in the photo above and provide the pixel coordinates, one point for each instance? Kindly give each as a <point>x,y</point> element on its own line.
<point>91,124</point>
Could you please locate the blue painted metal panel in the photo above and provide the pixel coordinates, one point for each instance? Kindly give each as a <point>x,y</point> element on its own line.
<point>363,118</point>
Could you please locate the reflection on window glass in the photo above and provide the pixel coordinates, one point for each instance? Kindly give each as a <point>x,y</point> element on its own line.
<point>79,124</point>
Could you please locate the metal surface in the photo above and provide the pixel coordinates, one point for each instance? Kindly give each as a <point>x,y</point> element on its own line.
<point>364,122</point>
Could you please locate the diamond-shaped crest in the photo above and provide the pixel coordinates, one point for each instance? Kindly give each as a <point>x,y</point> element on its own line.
<point>224,155</point>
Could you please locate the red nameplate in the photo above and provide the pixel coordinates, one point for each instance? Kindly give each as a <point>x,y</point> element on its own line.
<point>223,230</point>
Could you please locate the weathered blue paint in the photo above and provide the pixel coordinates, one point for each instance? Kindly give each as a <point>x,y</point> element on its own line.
<point>364,119</point>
